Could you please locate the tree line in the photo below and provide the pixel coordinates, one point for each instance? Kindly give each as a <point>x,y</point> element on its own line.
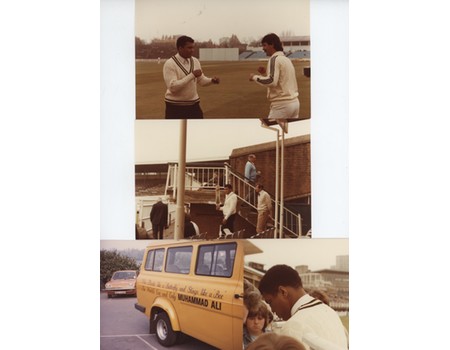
<point>166,46</point>
<point>113,260</point>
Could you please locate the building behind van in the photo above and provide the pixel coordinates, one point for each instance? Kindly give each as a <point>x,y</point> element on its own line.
<point>195,288</point>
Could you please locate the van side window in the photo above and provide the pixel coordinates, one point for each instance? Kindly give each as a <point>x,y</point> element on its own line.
<point>149,261</point>
<point>179,259</point>
<point>154,260</point>
<point>216,260</point>
<point>159,258</point>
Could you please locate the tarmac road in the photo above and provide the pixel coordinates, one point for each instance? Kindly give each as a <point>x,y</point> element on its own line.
<point>122,327</point>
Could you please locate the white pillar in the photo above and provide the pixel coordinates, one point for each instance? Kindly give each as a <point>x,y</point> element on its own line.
<point>179,213</point>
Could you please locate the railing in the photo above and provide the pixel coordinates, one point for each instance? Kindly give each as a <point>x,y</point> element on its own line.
<point>196,178</point>
<point>292,224</point>
<point>229,235</point>
<point>269,233</point>
<point>215,177</point>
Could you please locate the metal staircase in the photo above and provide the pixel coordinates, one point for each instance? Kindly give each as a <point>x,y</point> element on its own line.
<point>214,178</point>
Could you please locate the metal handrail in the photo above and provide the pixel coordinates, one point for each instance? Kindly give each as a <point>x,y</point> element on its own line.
<point>215,177</point>
<point>247,191</point>
<point>197,177</point>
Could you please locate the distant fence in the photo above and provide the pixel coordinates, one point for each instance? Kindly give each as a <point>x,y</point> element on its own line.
<point>219,54</point>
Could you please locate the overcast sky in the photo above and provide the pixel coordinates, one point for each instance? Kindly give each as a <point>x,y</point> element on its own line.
<point>318,253</point>
<point>126,244</point>
<point>158,140</point>
<point>214,19</point>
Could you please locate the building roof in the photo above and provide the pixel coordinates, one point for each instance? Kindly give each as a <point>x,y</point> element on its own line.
<point>299,54</point>
<point>253,271</point>
<point>269,145</point>
<point>337,272</point>
<point>295,38</point>
<point>162,167</point>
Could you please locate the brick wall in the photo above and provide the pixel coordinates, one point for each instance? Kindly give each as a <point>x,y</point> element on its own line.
<point>297,165</point>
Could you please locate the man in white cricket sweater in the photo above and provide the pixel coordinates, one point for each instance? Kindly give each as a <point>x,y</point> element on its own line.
<point>280,80</point>
<point>228,209</point>
<point>309,320</point>
<point>182,72</point>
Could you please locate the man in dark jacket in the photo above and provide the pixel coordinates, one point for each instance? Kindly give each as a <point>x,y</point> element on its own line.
<point>189,228</point>
<point>158,217</point>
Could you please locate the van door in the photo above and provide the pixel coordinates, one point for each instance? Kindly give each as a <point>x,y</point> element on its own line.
<point>208,298</point>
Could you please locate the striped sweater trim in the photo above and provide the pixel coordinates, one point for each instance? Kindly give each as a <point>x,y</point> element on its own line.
<point>269,80</point>
<point>182,103</point>
<point>179,64</point>
<point>312,303</point>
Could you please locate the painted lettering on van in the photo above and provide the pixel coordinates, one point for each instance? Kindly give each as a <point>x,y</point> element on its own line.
<point>170,290</point>
<point>193,300</point>
<point>171,286</point>
<point>217,305</point>
<point>149,282</point>
<point>149,289</point>
<point>173,296</point>
<point>217,295</point>
<point>192,291</point>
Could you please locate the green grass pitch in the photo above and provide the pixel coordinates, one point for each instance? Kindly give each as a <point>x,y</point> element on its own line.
<point>234,97</point>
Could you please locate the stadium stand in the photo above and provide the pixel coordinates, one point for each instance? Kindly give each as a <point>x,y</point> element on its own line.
<point>299,54</point>
<point>258,55</point>
<point>245,55</point>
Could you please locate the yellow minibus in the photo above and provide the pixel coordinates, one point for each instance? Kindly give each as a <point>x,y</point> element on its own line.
<point>194,288</point>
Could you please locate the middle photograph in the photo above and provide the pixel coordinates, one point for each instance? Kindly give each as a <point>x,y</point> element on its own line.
<point>211,179</point>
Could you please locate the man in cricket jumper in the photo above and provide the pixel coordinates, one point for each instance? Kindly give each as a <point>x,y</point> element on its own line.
<point>308,320</point>
<point>182,72</point>
<point>280,79</point>
<point>229,209</point>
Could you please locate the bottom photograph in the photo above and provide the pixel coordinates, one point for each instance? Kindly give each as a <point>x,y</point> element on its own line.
<point>224,294</point>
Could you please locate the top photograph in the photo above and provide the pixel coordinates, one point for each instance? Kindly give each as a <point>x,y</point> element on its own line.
<point>234,59</point>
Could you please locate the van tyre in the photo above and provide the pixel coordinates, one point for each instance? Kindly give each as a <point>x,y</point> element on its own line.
<point>164,333</point>
<point>182,338</point>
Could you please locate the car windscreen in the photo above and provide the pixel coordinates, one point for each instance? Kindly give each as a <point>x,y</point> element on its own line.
<point>124,275</point>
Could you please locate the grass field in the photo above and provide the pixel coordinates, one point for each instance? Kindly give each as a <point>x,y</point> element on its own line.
<point>234,97</point>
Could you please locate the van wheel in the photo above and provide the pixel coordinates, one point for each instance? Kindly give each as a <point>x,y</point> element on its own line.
<point>164,332</point>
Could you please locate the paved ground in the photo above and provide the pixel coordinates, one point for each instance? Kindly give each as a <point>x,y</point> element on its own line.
<point>122,327</point>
